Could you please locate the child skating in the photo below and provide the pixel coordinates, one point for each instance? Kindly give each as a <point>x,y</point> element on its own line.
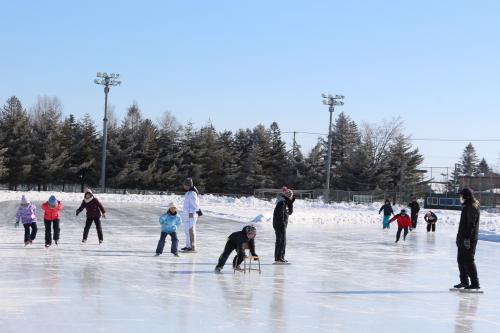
<point>51,218</point>
<point>169,221</point>
<point>94,211</point>
<point>431,220</point>
<point>26,214</point>
<point>238,241</point>
<point>404,222</point>
<point>388,211</point>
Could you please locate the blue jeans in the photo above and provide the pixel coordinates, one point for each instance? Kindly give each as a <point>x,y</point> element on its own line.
<point>386,224</point>
<point>161,242</point>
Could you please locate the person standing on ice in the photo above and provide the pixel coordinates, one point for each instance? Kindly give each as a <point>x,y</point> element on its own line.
<point>404,223</point>
<point>431,220</point>
<point>388,211</point>
<point>169,221</point>
<point>51,216</point>
<point>467,236</point>
<point>283,209</point>
<point>414,209</point>
<point>190,211</point>
<point>239,241</point>
<point>26,214</point>
<point>94,211</point>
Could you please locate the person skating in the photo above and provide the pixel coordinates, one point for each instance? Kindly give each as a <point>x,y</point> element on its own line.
<point>283,209</point>
<point>190,214</point>
<point>388,211</point>
<point>466,241</point>
<point>238,241</point>
<point>414,209</point>
<point>404,223</point>
<point>169,222</point>
<point>51,218</point>
<point>26,214</point>
<point>431,220</point>
<point>94,211</point>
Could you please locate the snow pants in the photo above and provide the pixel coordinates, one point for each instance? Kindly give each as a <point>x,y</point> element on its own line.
<point>467,265</point>
<point>385,223</point>
<point>228,249</point>
<point>161,242</point>
<point>48,230</point>
<point>88,223</point>
<point>280,245</point>
<point>431,226</point>
<point>30,236</point>
<point>398,234</point>
<point>190,230</point>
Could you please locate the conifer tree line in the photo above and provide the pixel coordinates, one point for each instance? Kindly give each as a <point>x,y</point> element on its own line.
<point>39,146</point>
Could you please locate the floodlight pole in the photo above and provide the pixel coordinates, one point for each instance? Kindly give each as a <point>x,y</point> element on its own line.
<point>107,81</point>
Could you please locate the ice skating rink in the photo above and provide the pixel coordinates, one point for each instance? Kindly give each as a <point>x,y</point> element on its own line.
<point>342,279</point>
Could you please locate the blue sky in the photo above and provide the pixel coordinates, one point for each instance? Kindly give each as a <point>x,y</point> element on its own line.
<point>436,64</point>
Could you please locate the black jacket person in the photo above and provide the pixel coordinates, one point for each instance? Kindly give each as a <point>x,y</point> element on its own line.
<point>284,208</point>
<point>467,237</point>
<point>239,241</point>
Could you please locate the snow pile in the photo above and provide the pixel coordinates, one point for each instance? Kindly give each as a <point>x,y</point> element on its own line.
<point>251,209</point>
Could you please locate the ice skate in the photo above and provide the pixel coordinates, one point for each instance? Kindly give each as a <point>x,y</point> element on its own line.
<point>473,289</point>
<point>84,241</point>
<point>47,245</point>
<point>56,242</point>
<point>218,270</point>
<point>459,286</point>
<point>175,254</point>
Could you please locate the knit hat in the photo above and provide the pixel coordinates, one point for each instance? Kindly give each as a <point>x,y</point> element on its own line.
<point>403,211</point>
<point>188,182</point>
<point>24,200</point>
<point>287,192</point>
<point>172,205</point>
<point>88,190</point>
<point>466,193</point>
<point>52,200</point>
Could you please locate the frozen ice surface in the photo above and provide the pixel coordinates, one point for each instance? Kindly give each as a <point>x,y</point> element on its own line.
<point>343,278</point>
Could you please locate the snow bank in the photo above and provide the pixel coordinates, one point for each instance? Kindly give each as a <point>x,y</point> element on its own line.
<point>251,209</point>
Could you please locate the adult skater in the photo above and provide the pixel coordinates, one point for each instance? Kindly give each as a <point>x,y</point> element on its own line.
<point>94,210</point>
<point>414,209</point>
<point>431,220</point>
<point>239,241</point>
<point>404,223</point>
<point>51,217</point>
<point>467,236</point>
<point>284,208</point>
<point>388,211</point>
<point>26,214</point>
<point>190,214</point>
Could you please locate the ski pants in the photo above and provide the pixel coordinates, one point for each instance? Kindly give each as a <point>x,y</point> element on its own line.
<point>385,223</point>
<point>190,230</point>
<point>431,226</point>
<point>398,234</point>
<point>228,249</point>
<point>414,218</point>
<point>88,223</point>
<point>48,230</point>
<point>30,236</point>
<point>466,264</point>
<point>161,242</point>
<point>279,248</point>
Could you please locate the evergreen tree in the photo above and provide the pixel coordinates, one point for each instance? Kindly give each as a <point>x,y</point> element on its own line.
<point>315,167</point>
<point>483,168</point>
<point>469,161</point>
<point>16,136</point>
<point>3,163</point>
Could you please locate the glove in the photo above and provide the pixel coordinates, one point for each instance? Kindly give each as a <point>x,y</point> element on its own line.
<point>16,225</point>
<point>467,243</point>
<point>104,215</point>
<point>77,212</point>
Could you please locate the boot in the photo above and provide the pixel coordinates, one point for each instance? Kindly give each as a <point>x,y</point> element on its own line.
<point>461,285</point>
<point>192,239</point>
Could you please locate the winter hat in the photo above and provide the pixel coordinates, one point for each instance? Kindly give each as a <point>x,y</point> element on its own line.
<point>88,190</point>
<point>403,211</point>
<point>172,205</point>
<point>287,192</point>
<point>24,200</point>
<point>188,182</point>
<point>250,229</point>
<point>466,193</point>
<point>52,200</point>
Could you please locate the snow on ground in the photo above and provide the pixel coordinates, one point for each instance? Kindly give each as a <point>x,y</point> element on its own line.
<point>343,278</point>
<point>251,209</point>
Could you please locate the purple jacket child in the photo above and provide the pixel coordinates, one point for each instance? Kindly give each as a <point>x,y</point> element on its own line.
<point>26,212</point>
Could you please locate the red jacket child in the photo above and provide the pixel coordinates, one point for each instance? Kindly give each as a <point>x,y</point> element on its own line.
<point>404,220</point>
<point>52,209</point>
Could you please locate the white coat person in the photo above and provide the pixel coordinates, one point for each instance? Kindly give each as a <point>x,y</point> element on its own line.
<point>190,211</point>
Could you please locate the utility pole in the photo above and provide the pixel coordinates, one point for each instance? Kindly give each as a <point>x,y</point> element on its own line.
<point>107,81</point>
<point>294,145</point>
<point>331,102</point>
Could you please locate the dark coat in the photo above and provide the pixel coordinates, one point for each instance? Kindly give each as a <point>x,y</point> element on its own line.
<point>431,219</point>
<point>469,221</point>
<point>387,208</point>
<point>414,207</point>
<point>94,208</point>
<point>239,238</point>
<point>283,209</point>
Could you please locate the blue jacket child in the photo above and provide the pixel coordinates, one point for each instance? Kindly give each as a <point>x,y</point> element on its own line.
<point>169,221</point>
